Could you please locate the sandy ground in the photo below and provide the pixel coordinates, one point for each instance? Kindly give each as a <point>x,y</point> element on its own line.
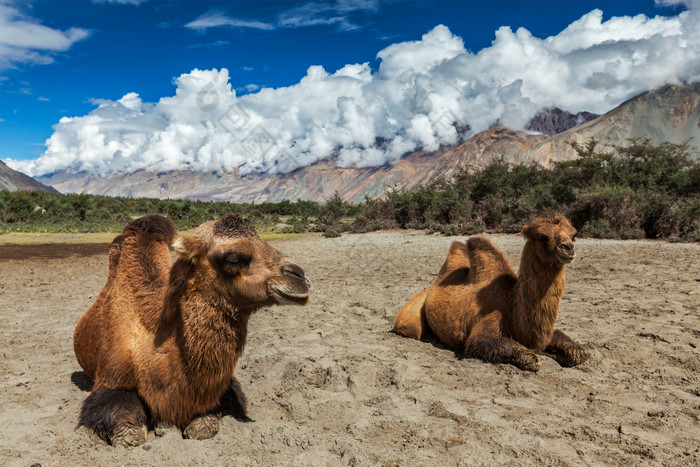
<point>329,385</point>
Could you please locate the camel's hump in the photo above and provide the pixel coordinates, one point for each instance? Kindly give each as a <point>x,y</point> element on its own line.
<point>486,260</point>
<point>157,228</point>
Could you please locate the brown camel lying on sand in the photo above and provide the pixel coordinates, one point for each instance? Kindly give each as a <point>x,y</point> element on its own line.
<point>162,340</point>
<point>480,306</point>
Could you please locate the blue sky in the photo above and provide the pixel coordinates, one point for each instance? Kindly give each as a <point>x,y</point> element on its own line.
<point>105,50</point>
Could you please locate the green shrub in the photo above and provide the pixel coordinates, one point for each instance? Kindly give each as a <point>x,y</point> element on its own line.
<point>331,232</point>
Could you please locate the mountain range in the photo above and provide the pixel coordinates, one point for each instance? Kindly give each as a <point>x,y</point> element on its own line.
<point>11,180</point>
<point>667,114</point>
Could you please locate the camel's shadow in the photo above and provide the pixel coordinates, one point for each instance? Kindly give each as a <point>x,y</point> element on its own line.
<point>458,354</point>
<point>81,380</point>
<point>430,338</point>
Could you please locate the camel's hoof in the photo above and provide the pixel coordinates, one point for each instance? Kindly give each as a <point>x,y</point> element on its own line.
<point>129,435</point>
<point>573,355</point>
<point>528,362</point>
<point>203,427</point>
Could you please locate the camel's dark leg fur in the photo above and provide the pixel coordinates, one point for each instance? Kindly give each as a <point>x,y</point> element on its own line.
<point>234,402</point>
<point>564,350</point>
<point>118,417</point>
<point>487,343</point>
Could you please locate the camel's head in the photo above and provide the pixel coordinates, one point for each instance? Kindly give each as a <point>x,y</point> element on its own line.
<point>552,236</point>
<point>243,268</point>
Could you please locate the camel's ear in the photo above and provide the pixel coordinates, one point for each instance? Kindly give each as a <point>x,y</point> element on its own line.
<point>526,231</point>
<point>189,247</point>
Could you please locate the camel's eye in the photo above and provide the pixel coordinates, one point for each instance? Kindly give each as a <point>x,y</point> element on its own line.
<point>237,259</point>
<point>232,263</point>
<point>542,237</point>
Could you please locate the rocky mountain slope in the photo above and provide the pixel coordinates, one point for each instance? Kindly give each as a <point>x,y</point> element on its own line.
<point>12,180</point>
<point>667,114</point>
<point>552,121</point>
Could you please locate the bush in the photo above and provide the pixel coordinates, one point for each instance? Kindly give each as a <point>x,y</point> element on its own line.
<point>296,225</point>
<point>608,212</point>
<point>676,218</point>
<point>331,232</point>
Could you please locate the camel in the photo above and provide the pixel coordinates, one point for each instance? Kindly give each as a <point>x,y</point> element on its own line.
<point>162,339</point>
<point>479,305</point>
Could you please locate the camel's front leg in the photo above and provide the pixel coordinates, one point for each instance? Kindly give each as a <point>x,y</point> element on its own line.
<point>487,343</point>
<point>233,402</point>
<point>565,351</point>
<point>117,416</point>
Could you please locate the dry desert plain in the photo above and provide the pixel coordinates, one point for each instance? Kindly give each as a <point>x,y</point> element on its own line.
<point>328,384</point>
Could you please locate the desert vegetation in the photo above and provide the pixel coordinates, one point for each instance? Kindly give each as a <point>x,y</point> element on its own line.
<point>41,211</point>
<point>638,191</point>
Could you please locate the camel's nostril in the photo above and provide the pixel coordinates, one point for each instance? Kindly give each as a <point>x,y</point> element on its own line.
<point>294,271</point>
<point>568,248</point>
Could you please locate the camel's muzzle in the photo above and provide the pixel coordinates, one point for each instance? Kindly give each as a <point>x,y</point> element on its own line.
<point>566,252</point>
<point>293,288</point>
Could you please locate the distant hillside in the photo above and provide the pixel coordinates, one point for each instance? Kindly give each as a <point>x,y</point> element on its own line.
<point>11,180</point>
<point>667,114</point>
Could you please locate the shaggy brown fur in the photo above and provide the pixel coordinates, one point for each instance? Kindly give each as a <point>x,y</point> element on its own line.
<point>164,338</point>
<point>479,305</point>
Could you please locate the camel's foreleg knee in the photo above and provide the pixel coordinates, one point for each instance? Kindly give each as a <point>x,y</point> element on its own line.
<point>565,351</point>
<point>410,320</point>
<point>487,343</point>
<point>234,402</point>
<point>502,350</point>
<point>116,416</point>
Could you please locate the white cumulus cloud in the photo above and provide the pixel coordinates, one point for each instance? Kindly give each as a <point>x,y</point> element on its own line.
<point>426,93</point>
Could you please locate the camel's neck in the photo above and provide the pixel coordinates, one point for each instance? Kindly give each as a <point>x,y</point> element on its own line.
<point>215,334</point>
<point>210,332</point>
<point>537,294</point>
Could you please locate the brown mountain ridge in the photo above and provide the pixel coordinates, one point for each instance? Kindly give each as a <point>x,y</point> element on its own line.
<point>667,114</point>
<point>12,180</point>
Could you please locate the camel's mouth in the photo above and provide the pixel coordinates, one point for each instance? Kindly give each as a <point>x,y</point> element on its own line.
<point>565,258</point>
<point>284,296</point>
